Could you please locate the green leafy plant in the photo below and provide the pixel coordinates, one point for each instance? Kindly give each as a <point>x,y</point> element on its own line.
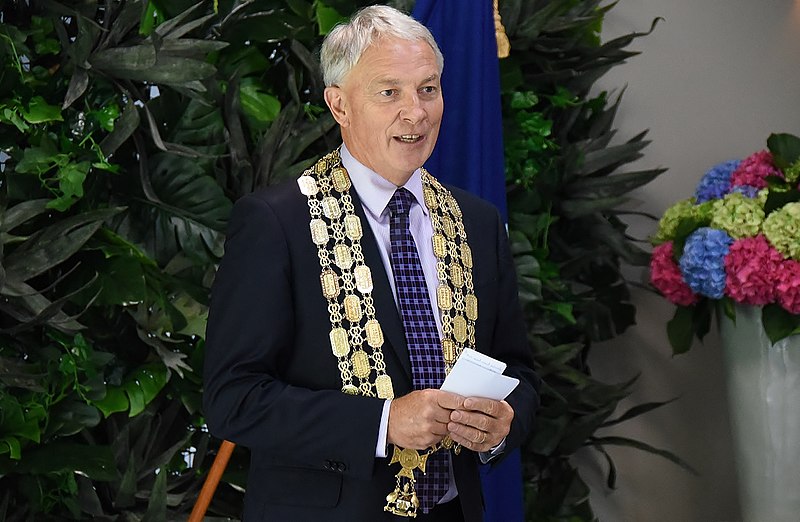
<point>127,130</point>
<point>566,194</point>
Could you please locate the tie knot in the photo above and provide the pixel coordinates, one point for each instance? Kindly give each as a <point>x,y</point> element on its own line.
<point>401,202</point>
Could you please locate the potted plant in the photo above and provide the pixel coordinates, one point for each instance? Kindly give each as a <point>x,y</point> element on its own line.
<point>733,249</point>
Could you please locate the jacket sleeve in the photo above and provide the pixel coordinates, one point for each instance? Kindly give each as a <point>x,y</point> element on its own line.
<point>510,344</point>
<point>249,339</point>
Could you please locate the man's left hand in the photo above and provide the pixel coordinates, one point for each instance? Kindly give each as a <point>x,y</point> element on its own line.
<point>481,424</point>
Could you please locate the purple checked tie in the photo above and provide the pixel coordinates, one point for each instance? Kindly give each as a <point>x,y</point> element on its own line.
<point>422,337</point>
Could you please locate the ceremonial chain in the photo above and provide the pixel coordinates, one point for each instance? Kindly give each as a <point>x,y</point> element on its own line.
<point>356,336</point>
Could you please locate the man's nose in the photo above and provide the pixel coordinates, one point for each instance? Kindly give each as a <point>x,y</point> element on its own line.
<point>411,110</point>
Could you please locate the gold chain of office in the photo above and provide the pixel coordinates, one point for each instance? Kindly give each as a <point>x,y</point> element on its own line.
<point>356,337</point>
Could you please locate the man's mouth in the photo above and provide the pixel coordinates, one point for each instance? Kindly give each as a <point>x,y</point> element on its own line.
<point>409,138</point>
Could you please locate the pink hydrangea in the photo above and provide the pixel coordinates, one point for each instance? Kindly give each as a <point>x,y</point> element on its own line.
<point>666,277</point>
<point>750,268</point>
<point>787,285</point>
<point>754,169</point>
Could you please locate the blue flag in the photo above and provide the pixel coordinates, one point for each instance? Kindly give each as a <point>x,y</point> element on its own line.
<point>469,154</point>
<point>469,151</point>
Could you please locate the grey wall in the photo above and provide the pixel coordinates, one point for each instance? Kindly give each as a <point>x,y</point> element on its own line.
<point>713,81</point>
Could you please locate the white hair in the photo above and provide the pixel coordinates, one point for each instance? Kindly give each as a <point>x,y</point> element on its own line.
<point>345,44</point>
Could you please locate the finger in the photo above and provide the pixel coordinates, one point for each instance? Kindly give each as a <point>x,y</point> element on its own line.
<point>468,433</point>
<point>500,410</point>
<point>473,419</point>
<point>433,410</point>
<point>488,406</point>
<point>442,416</point>
<point>416,420</point>
<point>470,438</point>
<point>450,401</point>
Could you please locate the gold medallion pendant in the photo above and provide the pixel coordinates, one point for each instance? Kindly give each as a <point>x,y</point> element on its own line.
<point>403,500</point>
<point>356,336</point>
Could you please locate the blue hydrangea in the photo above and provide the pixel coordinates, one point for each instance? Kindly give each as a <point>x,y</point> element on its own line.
<point>716,182</point>
<point>746,190</point>
<point>703,261</point>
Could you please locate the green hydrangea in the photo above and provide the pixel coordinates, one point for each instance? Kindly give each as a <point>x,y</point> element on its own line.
<point>792,173</point>
<point>782,228</point>
<point>672,216</point>
<point>704,211</point>
<point>737,215</point>
<point>762,196</point>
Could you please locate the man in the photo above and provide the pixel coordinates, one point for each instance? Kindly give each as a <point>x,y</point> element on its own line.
<point>345,296</point>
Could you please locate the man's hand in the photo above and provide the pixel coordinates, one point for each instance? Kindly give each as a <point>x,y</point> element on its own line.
<point>481,424</point>
<point>419,420</point>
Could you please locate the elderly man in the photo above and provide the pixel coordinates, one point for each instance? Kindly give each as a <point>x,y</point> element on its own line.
<point>345,297</point>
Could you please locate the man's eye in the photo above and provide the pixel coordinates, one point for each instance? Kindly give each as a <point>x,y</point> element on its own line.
<point>429,89</point>
<point>388,92</point>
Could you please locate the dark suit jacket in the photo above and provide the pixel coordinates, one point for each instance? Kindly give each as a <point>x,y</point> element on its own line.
<point>272,383</point>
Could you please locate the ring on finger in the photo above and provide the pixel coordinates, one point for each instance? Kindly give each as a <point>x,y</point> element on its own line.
<point>483,439</point>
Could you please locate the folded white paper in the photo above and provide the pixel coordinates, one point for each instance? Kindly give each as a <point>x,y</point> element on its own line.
<point>477,375</point>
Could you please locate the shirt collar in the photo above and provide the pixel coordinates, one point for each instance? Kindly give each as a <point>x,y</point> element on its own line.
<point>374,190</point>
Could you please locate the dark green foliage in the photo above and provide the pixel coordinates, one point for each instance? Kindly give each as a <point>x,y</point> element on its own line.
<point>127,129</point>
<point>566,190</point>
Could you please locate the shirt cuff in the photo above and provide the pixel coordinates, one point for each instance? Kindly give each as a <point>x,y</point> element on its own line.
<point>487,456</point>
<point>381,450</point>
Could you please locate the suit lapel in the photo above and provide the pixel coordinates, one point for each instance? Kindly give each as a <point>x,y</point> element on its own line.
<point>394,344</point>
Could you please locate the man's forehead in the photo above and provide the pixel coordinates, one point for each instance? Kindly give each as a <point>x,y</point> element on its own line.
<point>386,48</point>
<point>394,80</point>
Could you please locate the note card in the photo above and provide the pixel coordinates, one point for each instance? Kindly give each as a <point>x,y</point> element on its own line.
<point>477,375</point>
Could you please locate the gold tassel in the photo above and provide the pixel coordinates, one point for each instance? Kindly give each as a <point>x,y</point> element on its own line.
<point>503,45</point>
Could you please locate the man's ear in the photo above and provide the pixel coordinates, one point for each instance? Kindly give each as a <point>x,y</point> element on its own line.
<point>334,98</point>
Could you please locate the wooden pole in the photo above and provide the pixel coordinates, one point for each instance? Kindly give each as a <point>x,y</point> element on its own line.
<point>212,481</point>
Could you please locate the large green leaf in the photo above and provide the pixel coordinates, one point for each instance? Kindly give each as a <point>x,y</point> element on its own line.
<point>778,322</point>
<point>192,209</point>
<point>17,421</point>
<point>785,149</point>
<point>20,213</point>
<point>137,391</point>
<point>613,185</point>
<point>39,111</point>
<point>69,417</point>
<point>96,461</point>
<point>54,244</point>
<point>124,127</point>
<point>680,331</point>
<point>157,501</point>
<point>639,409</point>
<point>611,156</point>
<point>580,207</point>
<point>642,446</point>
<point>327,17</point>
<point>143,63</point>
<point>17,373</point>
<point>258,104</point>
<point>26,304</point>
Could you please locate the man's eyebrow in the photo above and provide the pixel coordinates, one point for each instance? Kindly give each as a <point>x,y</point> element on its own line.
<point>392,82</point>
<point>386,81</point>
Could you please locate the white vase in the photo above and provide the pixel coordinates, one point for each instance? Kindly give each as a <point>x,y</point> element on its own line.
<point>764,395</point>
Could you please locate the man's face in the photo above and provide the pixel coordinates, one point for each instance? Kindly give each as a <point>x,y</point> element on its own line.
<point>389,107</point>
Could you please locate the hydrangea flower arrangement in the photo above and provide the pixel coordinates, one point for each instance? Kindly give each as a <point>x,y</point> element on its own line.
<point>736,241</point>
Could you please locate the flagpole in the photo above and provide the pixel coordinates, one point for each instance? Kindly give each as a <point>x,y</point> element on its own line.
<point>212,481</point>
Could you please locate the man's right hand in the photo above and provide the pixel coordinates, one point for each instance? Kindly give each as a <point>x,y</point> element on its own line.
<point>419,420</point>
